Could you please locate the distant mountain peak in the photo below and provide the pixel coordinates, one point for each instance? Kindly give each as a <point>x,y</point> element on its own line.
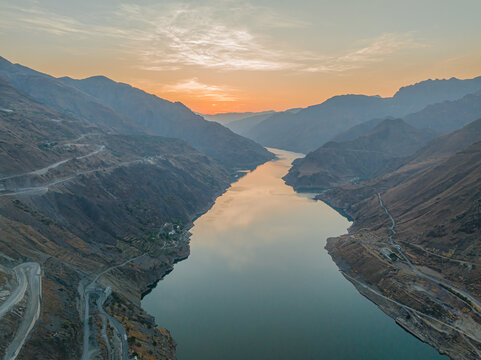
<point>123,109</point>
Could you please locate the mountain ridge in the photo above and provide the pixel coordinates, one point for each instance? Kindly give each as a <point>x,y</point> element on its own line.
<point>164,117</point>
<point>313,126</point>
<point>376,152</point>
<point>79,201</point>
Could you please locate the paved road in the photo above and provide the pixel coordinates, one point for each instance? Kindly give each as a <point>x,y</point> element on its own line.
<point>46,169</point>
<point>33,273</point>
<point>86,331</point>
<point>99,150</point>
<point>93,288</point>
<point>42,189</point>
<point>18,293</point>
<point>100,303</point>
<point>473,300</point>
<point>103,295</point>
<point>117,266</point>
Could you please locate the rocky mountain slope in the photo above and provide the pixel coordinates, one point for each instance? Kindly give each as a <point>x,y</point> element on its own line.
<point>413,248</point>
<point>358,130</point>
<point>336,166</point>
<point>377,152</point>
<point>448,116</point>
<point>161,117</point>
<point>33,138</point>
<point>443,117</point>
<point>312,127</point>
<point>65,99</point>
<point>104,216</point>
<point>126,110</point>
<point>425,271</point>
<point>433,153</point>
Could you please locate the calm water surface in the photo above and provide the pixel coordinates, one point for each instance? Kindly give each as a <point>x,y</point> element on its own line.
<point>259,284</point>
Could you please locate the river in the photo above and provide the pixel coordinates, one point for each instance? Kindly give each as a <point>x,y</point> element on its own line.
<point>260,285</point>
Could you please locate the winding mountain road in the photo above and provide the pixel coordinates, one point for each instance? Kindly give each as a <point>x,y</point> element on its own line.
<point>30,273</point>
<point>93,288</point>
<point>472,300</point>
<point>42,189</point>
<point>103,295</point>
<point>18,293</point>
<point>46,169</point>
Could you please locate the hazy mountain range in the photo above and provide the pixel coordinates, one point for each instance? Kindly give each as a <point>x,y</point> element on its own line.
<point>432,154</point>
<point>124,109</point>
<point>311,127</point>
<point>413,247</point>
<point>226,118</point>
<point>96,173</point>
<point>336,162</point>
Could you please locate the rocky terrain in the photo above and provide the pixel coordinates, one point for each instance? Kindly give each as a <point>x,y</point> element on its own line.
<point>123,109</point>
<point>433,153</point>
<point>90,219</point>
<point>413,248</point>
<point>372,154</point>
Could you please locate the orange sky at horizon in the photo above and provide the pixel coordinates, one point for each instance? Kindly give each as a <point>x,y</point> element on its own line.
<point>283,97</point>
<point>218,56</point>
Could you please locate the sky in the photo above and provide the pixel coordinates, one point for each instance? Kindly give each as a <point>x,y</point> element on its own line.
<point>236,56</point>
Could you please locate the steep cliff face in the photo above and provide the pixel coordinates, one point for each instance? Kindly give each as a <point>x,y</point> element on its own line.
<point>94,208</point>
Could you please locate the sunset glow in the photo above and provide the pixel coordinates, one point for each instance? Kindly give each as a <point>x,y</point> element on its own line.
<point>219,56</point>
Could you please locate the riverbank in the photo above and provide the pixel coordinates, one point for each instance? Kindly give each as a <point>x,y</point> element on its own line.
<point>419,305</point>
<point>258,283</point>
<point>146,339</point>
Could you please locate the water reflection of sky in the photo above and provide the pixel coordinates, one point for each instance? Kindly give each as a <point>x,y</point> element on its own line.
<point>260,285</point>
<point>235,227</point>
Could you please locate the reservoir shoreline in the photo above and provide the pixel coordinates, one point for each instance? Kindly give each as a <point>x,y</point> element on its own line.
<point>259,284</point>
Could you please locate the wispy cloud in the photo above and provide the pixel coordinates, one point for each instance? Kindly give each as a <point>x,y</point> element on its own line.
<point>373,50</point>
<point>173,36</point>
<point>40,20</point>
<point>198,89</point>
<point>382,46</point>
<point>194,36</point>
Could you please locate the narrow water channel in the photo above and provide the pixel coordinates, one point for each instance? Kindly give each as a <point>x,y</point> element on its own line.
<point>260,285</point>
